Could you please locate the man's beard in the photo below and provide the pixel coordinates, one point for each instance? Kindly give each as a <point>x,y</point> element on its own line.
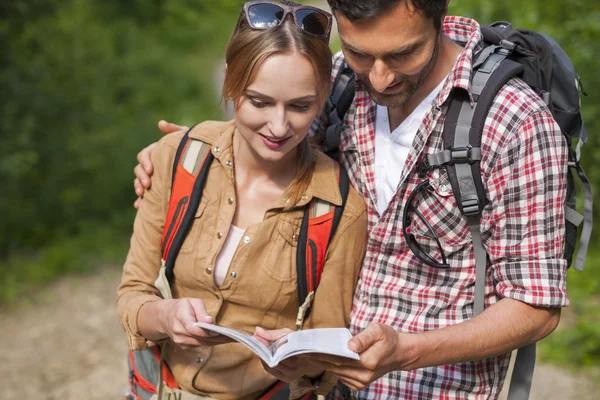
<point>411,82</point>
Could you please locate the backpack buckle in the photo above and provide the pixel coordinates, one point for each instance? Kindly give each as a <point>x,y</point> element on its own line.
<point>464,155</point>
<point>507,45</point>
<point>470,206</point>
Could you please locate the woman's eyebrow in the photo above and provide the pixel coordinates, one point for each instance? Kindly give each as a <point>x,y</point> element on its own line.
<point>255,93</point>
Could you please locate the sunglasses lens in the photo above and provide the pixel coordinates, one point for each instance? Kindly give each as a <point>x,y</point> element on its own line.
<point>265,16</point>
<point>312,21</point>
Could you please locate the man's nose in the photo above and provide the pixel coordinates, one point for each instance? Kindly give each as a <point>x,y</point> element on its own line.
<point>380,76</point>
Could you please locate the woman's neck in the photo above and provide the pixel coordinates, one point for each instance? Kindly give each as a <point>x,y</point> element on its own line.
<point>250,166</point>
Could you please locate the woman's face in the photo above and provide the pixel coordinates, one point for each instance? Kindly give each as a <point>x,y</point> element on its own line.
<point>277,109</point>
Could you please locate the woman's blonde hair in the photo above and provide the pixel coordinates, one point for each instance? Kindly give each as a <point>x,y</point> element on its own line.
<point>247,51</point>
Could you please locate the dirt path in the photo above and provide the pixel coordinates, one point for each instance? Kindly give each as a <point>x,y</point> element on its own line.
<point>68,345</point>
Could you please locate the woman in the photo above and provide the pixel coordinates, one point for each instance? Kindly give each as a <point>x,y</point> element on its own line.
<point>236,266</point>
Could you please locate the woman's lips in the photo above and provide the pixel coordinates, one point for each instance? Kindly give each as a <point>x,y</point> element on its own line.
<point>274,144</point>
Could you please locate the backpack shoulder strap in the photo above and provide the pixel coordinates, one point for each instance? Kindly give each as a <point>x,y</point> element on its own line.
<point>462,136</point>
<point>336,107</point>
<point>319,224</point>
<point>190,168</point>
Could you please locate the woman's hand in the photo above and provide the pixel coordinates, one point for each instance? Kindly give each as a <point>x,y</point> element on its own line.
<point>176,319</point>
<point>291,368</point>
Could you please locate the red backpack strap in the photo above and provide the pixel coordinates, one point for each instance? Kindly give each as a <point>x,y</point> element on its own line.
<point>319,223</point>
<point>190,169</point>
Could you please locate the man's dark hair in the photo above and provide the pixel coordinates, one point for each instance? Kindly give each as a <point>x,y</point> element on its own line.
<point>368,9</point>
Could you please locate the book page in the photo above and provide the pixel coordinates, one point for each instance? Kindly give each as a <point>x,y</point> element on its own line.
<point>245,338</point>
<point>332,341</point>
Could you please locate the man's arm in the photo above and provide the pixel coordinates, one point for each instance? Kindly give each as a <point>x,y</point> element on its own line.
<point>143,171</point>
<point>501,328</point>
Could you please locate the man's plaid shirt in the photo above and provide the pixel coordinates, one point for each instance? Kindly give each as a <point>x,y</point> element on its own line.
<point>524,162</point>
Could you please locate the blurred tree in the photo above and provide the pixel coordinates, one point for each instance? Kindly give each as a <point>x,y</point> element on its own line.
<point>83,84</point>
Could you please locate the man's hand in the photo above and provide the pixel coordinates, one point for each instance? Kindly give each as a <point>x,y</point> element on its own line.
<point>378,346</point>
<point>291,368</point>
<point>143,171</point>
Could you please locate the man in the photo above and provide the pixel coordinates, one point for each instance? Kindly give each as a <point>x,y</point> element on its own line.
<point>414,323</point>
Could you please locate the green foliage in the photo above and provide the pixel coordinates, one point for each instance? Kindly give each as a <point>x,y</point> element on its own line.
<point>84,83</point>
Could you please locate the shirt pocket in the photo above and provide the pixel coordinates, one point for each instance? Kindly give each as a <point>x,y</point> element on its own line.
<point>280,261</point>
<point>191,239</point>
<point>444,220</point>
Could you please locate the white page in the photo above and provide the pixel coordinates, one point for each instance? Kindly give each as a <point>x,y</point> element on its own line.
<point>332,341</point>
<point>254,344</point>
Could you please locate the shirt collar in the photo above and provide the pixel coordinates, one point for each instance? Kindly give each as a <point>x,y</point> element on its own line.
<point>467,33</point>
<point>323,185</point>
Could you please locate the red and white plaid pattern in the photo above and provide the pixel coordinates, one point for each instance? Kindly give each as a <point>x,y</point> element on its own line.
<point>524,161</point>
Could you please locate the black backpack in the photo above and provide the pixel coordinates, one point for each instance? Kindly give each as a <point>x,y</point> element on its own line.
<point>507,53</point>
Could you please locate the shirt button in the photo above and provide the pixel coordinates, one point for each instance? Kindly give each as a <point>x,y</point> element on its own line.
<point>219,235</point>
<point>199,360</point>
<point>229,163</point>
<point>230,200</point>
<point>209,270</point>
<point>246,239</point>
<point>233,274</point>
<point>217,149</point>
<point>304,197</point>
<point>294,237</point>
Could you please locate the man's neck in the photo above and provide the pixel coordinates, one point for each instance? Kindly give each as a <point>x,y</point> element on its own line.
<point>448,54</point>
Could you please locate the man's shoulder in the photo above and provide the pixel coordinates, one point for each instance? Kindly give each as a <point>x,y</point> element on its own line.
<point>518,101</point>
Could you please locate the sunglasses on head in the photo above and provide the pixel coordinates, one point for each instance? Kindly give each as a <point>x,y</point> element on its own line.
<point>270,14</point>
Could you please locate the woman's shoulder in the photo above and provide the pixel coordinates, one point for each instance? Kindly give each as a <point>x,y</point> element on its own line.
<point>207,131</point>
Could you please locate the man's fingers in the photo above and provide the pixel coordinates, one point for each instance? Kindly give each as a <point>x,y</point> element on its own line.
<point>144,158</point>
<point>365,339</point>
<point>139,188</point>
<point>136,204</point>
<point>142,177</point>
<point>168,127</point>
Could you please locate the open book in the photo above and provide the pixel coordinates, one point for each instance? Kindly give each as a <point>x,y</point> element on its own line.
<point>324,340</point>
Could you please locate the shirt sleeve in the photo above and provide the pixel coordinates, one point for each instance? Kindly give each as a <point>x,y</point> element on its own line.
<point>333,298</point>
<point>143,260</point>
<point>524,231</point>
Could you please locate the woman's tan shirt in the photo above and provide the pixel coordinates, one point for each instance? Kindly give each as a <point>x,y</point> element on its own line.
<point>260,288</point>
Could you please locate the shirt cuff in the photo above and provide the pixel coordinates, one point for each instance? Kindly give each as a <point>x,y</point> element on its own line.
<point>320,385</point>
<point>135,340</point>
<point>539,283</point>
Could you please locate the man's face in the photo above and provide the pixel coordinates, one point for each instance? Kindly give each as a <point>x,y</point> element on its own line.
<point>392,54</point>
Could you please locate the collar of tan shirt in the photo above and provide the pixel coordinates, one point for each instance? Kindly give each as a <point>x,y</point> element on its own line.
<point>324,183</point>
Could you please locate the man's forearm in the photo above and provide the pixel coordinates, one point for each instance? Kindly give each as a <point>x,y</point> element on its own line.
<point>503,327</point>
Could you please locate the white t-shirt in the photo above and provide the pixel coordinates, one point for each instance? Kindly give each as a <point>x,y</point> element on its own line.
<point>226,254</point>
<point>391,149</point>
